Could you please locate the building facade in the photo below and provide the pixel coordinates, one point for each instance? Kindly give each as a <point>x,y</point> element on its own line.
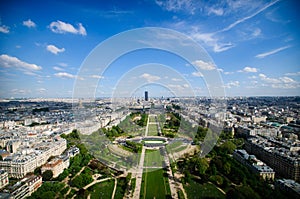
<point>25,187</point>
<point>286,163</point>
<point>291,187</point>
<point>255,165</point>
<point>56,165</point>
<point>3,179</point>
<point>18,165</point>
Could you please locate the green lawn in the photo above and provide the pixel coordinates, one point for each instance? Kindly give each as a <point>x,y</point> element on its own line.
<point>153,158</point>
<point>207,190</point>
<point>102,190</point>
<point>174,145</point>
<point>152,119</point>
<point>181,148</point>
<point>120,189</point>
<point>95,143</point>
<point>130,127</point>
<point>154,184</point>
<point>152,130</point>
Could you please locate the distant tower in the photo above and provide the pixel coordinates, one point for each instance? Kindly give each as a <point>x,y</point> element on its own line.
<point>146,96</point>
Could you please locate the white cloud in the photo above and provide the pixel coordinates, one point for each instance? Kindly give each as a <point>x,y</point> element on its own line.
<point>4,29</point>
<point>65,75</point>
<point>228,73</point>
<point>97,76</point>
<point>256,32</point>
<point>232,25</point>
<point>197,74</point>
<point>81,29</point>
<point>210,39</point>
<point>248,69</point>
<point>178,86</point>
<point>293,74</point>
<point>281,82</point>
<point>58,68</point>
<point>287,80</point>
<point>177,5</point>
<point>41,90</point>
<point>29,23</point>
<point>253,77</point>
<point>20,91</point>
<point>263,55</point>
<point>204,65</point>
<point>30,73</point>
<point>13,62</point>
<point>63,64</point>
<point>268,79</point>
<point>150,78</point>
<point>53,49</point>
<point>62,27</point>
<point>176,79</point>
<point>215,39</point>
<point>216,11</point>
<point>232,84</point>
<point>262,76</point>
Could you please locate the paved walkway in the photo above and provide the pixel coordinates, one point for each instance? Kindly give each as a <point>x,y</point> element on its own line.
<point>95,182</point>
<point>172,182</point>
<point>147,126</point>
<point>138,172</point>
<point>140,169</point>
<point>139,175</point>
<point>114,191</point>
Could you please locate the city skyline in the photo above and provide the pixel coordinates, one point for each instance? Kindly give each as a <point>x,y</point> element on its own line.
<point>254,45</point>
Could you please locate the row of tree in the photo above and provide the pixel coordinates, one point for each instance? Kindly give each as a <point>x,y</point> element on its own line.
<point>54,188</point>
<point>225,172</point>
<point>141,122</point>
<point>115,131</point>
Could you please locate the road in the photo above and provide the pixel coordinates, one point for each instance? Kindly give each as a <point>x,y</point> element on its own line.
<point>139,172</point>
<point>139,175</point>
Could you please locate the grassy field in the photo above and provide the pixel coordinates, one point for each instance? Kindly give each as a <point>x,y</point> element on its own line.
<point>130,127</point>
<point>153,158</point>
<point>186,129</point>
<point>173,145</point>
<point>152,119</point>
<point>176,147</point>
<point>154,184</point>
<point>196,190</point>
<point>102,190</point>
<point>152,130</point>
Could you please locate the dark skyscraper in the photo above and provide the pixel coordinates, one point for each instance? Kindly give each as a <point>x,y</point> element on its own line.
<point>146,96</point>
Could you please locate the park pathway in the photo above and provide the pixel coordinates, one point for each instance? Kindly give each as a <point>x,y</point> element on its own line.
<point>147,127</point>
<point>114,191</point>
<point>172,182</point>
<point>139,170</point>
<point>139,175</point>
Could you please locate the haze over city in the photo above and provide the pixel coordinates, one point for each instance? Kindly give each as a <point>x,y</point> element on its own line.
<point>253,44</point>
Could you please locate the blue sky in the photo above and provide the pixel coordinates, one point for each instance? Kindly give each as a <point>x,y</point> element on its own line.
<point>254,44</point>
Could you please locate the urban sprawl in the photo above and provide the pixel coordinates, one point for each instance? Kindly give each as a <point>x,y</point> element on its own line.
<point>66,148</point>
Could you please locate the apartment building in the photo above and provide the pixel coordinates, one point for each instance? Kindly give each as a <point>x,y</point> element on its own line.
<point>25,187</point>
<point>283,159</point>
<point>19,164</point>
<point>3,179</point>
<point>57,165</point>
<point>254,164</point>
